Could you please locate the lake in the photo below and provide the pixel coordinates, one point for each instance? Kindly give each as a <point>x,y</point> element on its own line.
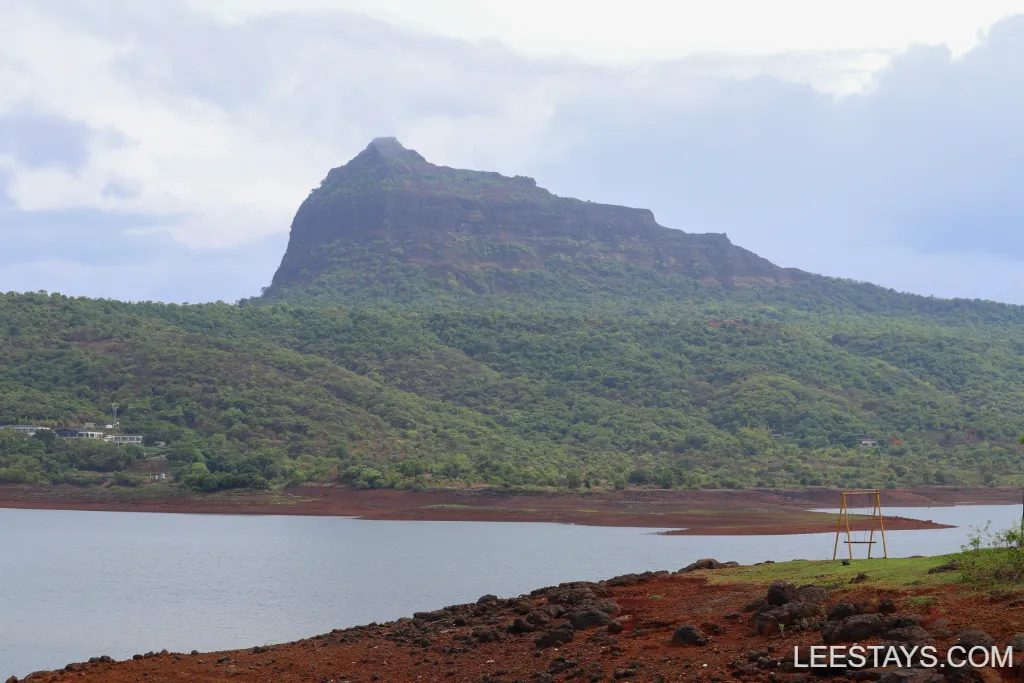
<point>79,584</point>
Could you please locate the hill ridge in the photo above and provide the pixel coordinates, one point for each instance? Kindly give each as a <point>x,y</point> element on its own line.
<point>391,203</point>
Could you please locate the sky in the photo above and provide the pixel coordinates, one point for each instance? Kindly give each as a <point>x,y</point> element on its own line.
<point>159,150</point>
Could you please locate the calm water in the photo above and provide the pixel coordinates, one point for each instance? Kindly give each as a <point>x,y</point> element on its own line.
<point>79,584</point>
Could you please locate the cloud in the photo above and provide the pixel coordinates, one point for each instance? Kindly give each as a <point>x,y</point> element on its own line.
<point>145,270</point>
<point>174,134</point>
<point>924,164</point>
<point>35,139</point>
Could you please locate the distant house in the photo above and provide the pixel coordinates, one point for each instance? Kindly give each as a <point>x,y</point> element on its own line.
<point>25,430</point>
<point>122,439</point>
<point>868,443</point>
<point>75,433</point>
<point>89,425</point>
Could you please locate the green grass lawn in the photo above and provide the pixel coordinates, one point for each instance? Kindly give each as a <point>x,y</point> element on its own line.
<point>884,573</point>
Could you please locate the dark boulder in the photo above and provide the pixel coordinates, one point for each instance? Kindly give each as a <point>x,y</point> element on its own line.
<point>968,674</point>
<point>850,629</point>
<point>554,611</point>
<point>975,638</point>
<point>911,676</point>
<point>557,635</point>
<point>623,580</point>
<point>775,619</point>
<point>911,635</point>
<point>584,618</point>
<point>811,594</point>
<point>560,664</point>
<point>781,592</point>
<point>688,634</point>
<point>886,606</point>
<point>520,625</point>
<point>538,618</point>
<point>614,626</point>
<point>706,563</point>
<point>487,599</point>
<point>754,605</point>
<point>571,596</point>
<point>486,635</point>
<point>841,610</point>
<point>901,622</point>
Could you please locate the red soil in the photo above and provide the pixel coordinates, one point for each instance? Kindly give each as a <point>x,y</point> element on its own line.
<point>695,512</point>
<point>649,613</point>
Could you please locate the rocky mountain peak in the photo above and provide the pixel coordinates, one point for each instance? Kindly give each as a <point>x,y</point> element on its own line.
<point>390,207</point>
<point>387,150</point>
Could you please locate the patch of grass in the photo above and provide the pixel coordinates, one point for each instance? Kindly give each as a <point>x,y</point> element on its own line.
<point>890,573</point>
<point>923,601</point>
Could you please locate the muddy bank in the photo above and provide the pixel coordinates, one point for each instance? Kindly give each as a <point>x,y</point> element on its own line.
<point>655,626</point>
<point>693,512</point>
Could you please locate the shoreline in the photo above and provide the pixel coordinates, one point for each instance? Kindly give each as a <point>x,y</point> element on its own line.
<point>691,512</point>
<point>695,624</point>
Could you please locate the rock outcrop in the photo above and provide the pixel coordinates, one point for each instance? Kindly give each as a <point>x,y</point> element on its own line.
<point>389,208</point>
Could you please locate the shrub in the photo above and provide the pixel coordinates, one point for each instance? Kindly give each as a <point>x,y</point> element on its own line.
<point>126,479</point>
<point>993,557</point>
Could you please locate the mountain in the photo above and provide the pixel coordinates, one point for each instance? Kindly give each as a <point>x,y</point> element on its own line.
<point>391,229</point>
<point>430,325</point>
<point>391,214</point>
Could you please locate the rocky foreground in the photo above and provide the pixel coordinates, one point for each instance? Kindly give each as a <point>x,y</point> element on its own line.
<point>657,626</point>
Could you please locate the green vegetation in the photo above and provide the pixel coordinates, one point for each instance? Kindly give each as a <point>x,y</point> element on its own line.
<point>376,396</point>
<point>881,573</point>
<point>988,560</point>
<point>439,327</point>
<point>993,558</point>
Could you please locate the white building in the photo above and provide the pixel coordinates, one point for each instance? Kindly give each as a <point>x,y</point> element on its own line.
<point>122,439</point>
<point>79,434</point>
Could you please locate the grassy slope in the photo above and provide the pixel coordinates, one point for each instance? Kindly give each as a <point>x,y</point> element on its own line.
<point>881,573</point>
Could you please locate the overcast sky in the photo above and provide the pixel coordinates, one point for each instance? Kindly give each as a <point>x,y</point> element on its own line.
<point>159,149</point>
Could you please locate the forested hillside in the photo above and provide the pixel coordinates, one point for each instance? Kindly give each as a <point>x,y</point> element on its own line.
<point>282,394</point>
<point>432,326</point>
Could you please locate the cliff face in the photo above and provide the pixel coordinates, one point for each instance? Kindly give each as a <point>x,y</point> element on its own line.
<point>390,204</point>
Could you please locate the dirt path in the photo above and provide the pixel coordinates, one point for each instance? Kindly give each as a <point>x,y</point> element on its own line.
<point>692,512</point>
